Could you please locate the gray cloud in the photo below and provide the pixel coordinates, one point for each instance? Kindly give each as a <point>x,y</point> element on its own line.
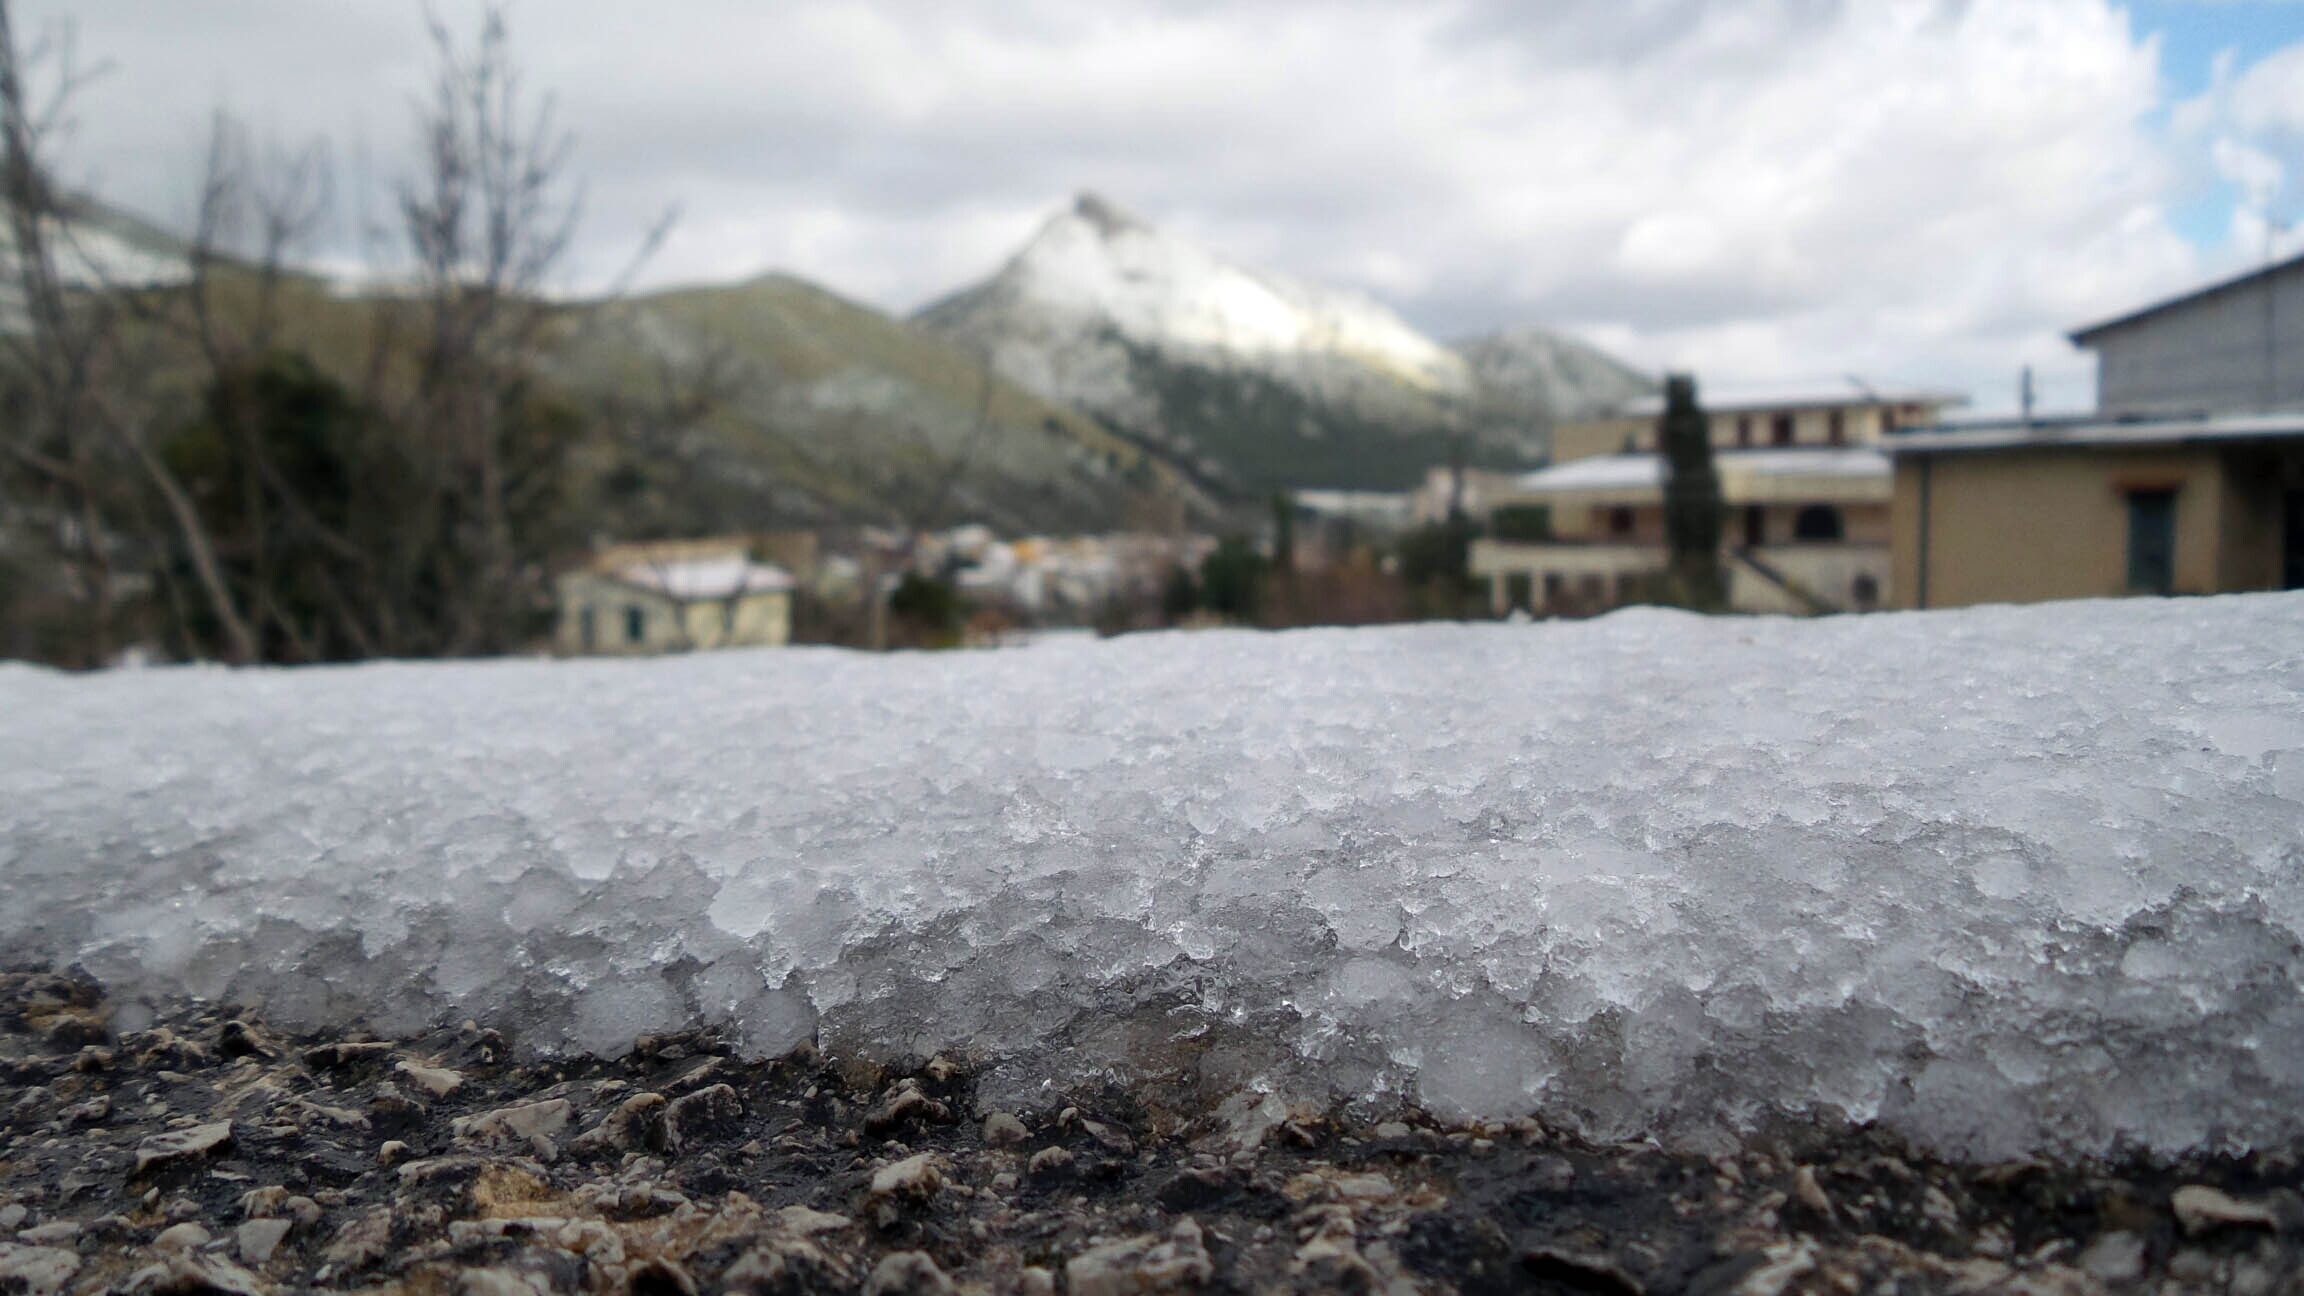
<point>1930,187</point>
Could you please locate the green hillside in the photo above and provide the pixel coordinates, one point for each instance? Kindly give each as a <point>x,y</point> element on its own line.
<point>817,409</point>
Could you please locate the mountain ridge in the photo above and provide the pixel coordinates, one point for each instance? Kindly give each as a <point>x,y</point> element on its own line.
<point>1259,380</point>
<point>1132,373</point>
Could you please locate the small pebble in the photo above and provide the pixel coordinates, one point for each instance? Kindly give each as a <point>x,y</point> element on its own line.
<point>181,1237</point>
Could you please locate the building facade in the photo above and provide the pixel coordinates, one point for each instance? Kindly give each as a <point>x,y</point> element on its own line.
<point>1852,414</point>
<point>1807,531</point>
<point>2090,508</point>
<point>2189,479</point>
<point>676,596</point>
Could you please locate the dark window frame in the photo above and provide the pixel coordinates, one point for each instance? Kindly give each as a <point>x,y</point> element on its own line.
<point>1819,524</point>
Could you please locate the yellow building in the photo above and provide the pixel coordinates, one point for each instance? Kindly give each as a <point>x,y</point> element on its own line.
<point>1852,414</point>
<point>674,596</point>
<point>1807,531</point>
<point>2082,508</point>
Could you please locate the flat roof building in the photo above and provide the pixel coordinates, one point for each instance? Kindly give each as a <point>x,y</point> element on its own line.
<point>1807,531</point>
<point>2189,478</point>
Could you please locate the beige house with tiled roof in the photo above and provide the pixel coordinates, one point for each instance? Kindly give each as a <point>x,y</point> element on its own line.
<point>674,596</point>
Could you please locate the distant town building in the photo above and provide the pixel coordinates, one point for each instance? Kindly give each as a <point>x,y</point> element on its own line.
<point>674,596</point>
<point>1339,526</point>
<point>1056,580</point>
<point>2018,512</point>
<point>2189,478</point>
<point>1807,532</point>
<point>1806,486</point>
<point>1448,491</point>
<point>1844,413</point>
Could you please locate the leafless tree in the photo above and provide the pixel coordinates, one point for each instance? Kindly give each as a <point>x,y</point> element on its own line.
<point>447,442</point>
<point>79,435</point>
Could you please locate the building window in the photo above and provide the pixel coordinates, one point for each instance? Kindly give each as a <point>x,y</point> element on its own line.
<point>1865,593</point>
<point>1817,522</point>
<point>1552,590</point>
<point>1594,589</point>
<point>1755,525</point>
<point>588,628</point>
<point>1743,430</point>
<point>635,623</point>
<point>1619,521</point>
<point>1836,428</point>
<point>1780,430</point>
<point>2152,542</point>
<point>1517,587</point>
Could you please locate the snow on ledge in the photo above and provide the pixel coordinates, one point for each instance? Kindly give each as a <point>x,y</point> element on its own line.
<point>2004,878</point>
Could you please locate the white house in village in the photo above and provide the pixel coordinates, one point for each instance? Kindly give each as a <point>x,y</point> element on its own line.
<point>674,596</point>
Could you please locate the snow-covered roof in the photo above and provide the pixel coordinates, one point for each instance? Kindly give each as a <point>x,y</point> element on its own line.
<point>1637,471</point>
<point>1355,503</point>
<point>2094,430</point>
<point>704,578</point>
<point>1743,398</point>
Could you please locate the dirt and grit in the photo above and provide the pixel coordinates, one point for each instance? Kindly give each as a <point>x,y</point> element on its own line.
<point>207,1152</point>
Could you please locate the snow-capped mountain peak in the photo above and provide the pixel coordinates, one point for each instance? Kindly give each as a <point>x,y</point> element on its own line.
<point>1096,263</point>
<point>1256,379</point>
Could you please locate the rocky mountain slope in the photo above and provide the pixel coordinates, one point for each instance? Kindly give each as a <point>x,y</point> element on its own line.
<point>1530,377</point>
<point>1109,375</point>
<point>1256,380</point>
<point>820,408</point>
<point>814,408</point>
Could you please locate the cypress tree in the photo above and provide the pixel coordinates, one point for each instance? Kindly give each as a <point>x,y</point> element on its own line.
<point>1693,511</point>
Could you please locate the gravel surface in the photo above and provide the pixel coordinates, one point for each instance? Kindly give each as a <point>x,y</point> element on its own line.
<point>209,1153</point>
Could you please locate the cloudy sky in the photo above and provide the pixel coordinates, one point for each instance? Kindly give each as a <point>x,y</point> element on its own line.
<point>1916,191</point>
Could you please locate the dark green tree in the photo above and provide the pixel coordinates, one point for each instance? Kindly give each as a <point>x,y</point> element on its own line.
<point>1529,523</point>
<point>1180,595</point>
<point>1693,511</point>
<point>1283,532</point>
<point>928,612</point>
<point>282,473</point>
<point>1436,567</point>
<point>1232,578</point>
<point>342,538</point>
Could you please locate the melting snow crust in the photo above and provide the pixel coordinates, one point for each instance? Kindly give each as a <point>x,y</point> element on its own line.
<point>2004,879</point>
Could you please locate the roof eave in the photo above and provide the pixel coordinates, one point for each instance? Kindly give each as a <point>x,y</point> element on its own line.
<point>2081,336</point>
